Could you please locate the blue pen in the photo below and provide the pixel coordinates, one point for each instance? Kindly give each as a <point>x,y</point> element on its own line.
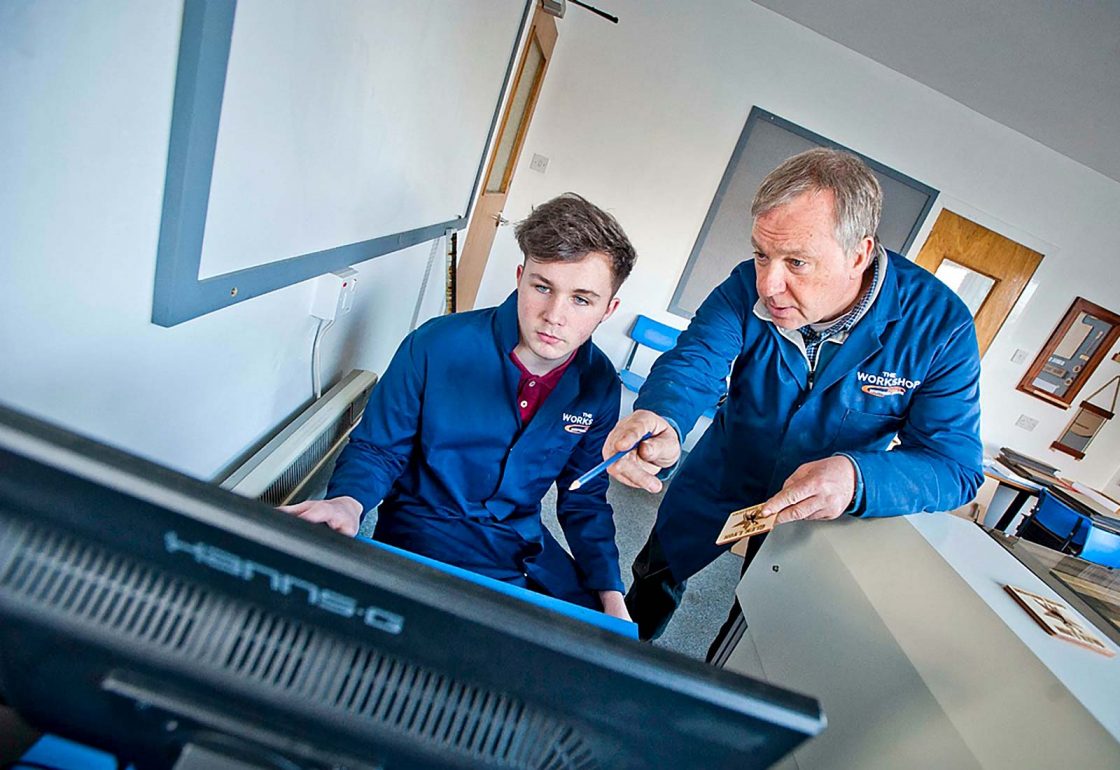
<point>605,464</point>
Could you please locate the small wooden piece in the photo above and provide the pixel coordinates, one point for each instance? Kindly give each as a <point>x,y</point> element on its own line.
<point>1058,619</point>
<point>744,523</point>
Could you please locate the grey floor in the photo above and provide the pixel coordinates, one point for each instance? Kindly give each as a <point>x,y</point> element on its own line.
<point>709,593</point>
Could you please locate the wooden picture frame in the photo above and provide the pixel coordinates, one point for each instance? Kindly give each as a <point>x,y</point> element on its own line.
<point>1071,354</point>
<point>1087,422</point>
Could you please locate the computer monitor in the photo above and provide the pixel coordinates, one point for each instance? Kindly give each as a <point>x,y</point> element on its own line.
<point>175,624</point>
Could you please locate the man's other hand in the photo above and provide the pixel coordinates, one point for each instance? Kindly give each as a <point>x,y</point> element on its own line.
<point>639,468</point>
<point>342,514</point>
<point>822,489</point>
<point>613,604</point>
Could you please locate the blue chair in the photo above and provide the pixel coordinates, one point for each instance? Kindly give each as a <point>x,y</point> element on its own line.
<point>656,336</point>
<point>651,334</point>
<point>1054,524</point>
<point>1101,547</point>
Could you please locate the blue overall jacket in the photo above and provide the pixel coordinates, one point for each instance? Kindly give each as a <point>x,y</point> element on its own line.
<point>460,479</point>
<point>909,367</point>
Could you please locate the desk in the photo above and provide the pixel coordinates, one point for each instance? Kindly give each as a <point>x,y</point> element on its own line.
<point>1022,491</point>
<point>1031,480</point>
<point>1032,475</point>
<point>1091,589</point>
<point>921,660</point>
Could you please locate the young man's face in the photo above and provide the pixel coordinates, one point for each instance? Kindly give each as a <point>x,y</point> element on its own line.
<point>801,271</point>
<point>559,305</point>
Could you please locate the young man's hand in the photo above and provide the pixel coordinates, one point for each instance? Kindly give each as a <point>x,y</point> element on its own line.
<point>342,514</point>
<point>613,604</point>
<point>639,468</point>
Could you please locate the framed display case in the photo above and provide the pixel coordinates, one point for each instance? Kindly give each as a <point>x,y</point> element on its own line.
<point>1072,353</point>
<point>1087,422</point>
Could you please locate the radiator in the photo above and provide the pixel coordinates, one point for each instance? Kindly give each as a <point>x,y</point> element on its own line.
<point>281,471</point>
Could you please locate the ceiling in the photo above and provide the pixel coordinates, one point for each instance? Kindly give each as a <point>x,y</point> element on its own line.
<point>1049,70</point>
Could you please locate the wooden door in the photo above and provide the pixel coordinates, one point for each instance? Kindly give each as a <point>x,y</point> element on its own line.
<point>988,270</point>
<point>487,217</point>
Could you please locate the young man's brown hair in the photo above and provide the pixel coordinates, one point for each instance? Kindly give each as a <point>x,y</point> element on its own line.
<point>568,228</point>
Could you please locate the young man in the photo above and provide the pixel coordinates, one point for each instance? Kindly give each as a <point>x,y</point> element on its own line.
<point>479,413</point>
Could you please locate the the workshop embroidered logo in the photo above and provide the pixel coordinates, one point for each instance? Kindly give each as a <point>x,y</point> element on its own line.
<point>885,384</point>
<point>578,423</point>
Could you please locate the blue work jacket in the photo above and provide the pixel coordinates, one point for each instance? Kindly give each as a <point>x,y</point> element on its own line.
<point>910,367</point>
<point>460,479</point>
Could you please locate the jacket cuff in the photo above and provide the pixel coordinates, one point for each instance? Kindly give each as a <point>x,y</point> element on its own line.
<point>667,473</point>
<point>856,507</point>
<point>606,580</point>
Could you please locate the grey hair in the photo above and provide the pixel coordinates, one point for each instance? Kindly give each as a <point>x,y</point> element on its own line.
<point>856,192</point>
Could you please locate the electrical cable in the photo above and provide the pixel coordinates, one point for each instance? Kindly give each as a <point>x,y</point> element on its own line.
<point>320,330</point>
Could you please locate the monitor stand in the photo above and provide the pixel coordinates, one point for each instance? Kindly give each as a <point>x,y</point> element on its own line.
<point>16,736</point>
<point>195,757</point>
<point>219,752</point>
<point>214,738</point>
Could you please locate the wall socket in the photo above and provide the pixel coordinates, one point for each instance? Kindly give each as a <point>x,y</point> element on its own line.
<point>539,163</point>
<point>334,293</point>
<point>1026,423</point>
<point>1019,356</point>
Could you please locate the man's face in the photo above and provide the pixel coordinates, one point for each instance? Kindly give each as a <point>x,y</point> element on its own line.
<point>559,305</point>
<point>801,271</point>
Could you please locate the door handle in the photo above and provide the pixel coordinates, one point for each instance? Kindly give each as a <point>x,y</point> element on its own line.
<point>499,220</point>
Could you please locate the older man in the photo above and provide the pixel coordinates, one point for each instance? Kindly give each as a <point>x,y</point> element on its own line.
<point>834,346</point>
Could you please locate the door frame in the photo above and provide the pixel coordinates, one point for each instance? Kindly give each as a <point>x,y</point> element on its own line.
<point>540,25</point>
<point>986,220</point>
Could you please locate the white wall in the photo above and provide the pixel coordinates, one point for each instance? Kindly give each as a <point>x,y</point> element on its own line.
<point>1112,489</point>
<point>85,94</point>
<point>641,117</point>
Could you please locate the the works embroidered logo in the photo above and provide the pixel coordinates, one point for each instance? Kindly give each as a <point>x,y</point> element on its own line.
<point>578,423</point>
<point>885,384</point>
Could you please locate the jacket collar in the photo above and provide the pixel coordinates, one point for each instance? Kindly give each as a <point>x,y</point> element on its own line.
<point>506,335</point>
<point>506,331</point>
<point>866,337</point>
<point>796,336</point>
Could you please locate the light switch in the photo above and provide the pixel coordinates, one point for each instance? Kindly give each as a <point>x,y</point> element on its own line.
<point>539,163</point>
<point>1026,423</point>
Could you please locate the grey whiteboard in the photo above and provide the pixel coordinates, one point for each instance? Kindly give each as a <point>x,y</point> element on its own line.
<point>725,237</point>
<point>309,136</point>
